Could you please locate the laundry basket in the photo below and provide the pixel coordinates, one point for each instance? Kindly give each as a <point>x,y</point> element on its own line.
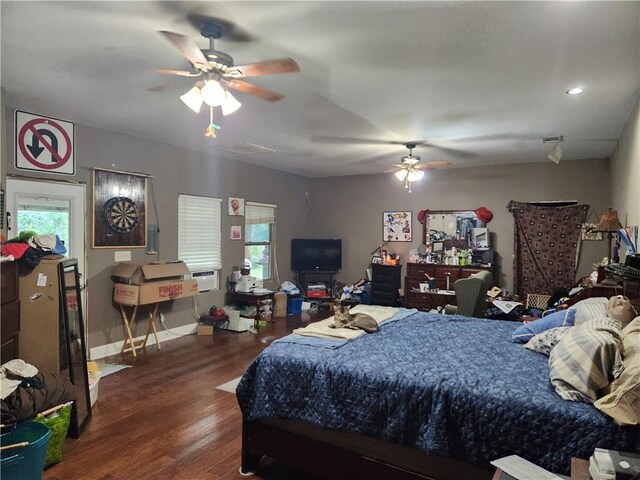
<point>536,300</point>
<point>23,451</point>
<point>57,419</point>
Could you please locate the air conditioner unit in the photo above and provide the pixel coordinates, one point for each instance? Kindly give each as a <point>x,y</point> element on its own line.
<point>207,280</point>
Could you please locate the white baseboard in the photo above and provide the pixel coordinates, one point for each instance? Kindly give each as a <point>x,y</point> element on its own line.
<point>109,349</point>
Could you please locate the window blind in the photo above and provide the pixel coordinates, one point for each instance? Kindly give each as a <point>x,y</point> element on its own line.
<point>199,232</point>
<point>255,213</point>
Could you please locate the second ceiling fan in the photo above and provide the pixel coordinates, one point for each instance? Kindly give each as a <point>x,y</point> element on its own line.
<point>411,170</point>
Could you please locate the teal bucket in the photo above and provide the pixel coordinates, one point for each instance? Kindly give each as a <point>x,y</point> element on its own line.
<point>24,462</point>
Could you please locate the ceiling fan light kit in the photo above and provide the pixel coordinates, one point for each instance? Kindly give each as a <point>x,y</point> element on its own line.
<point>193,99</point>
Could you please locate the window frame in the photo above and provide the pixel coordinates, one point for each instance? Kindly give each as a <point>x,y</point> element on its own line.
<point>271,242</point>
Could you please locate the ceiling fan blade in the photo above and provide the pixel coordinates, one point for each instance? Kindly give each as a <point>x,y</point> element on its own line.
<point>268,67</point>
<point>187,48</point>
<point>430,165</point>
<point>245,87</point>
<point>452,151</point>
<point>362,141</point>
<point>182,73</point>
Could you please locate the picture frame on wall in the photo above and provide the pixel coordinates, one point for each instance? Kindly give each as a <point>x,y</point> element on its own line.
<point>119,209</point>
<point>236,206</point>
<point>236,232</point>
<point>396,226</point>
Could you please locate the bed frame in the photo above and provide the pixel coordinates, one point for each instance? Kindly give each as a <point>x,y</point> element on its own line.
<point>345,456</point>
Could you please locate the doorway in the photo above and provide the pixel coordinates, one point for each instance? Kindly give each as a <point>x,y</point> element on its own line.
<point>50,207</point>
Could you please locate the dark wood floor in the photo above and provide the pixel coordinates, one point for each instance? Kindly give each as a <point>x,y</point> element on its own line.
<point>164,418</point>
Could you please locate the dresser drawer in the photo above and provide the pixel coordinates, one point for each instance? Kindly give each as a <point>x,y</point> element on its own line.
<point>427,301</point>
<point>420,269</point>
<point>10,320</point>
<point>9,273</point>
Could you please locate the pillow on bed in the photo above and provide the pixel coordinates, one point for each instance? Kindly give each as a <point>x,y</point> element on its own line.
<point>590,309</point>
<point>561,318</point>
<point>586,360</point>
<point>623,402</point>
<point>545,341</point>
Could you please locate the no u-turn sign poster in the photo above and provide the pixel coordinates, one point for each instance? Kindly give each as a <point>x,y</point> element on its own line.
<point>44,144</point>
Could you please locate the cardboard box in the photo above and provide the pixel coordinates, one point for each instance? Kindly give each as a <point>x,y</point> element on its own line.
<point>153,292</point>
<point>132,273</point>
<point>142,284</point>
<point>205,329</point>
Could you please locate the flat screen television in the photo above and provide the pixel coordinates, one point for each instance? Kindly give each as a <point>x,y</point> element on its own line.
<point>319,255</point>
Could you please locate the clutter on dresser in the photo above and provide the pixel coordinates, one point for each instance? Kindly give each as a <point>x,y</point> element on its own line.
<point>246,283</point>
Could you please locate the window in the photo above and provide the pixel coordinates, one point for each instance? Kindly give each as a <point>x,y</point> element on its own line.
<point>199,233</point>
<point>260,219</point>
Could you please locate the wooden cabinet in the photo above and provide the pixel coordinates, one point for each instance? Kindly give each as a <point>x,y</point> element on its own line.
<point>10,323</point>
<point>386,280</point>
<point>418,273</point>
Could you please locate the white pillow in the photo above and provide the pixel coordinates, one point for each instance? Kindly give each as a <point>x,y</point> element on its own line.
<point>545,341</point>
<point>590,309</point>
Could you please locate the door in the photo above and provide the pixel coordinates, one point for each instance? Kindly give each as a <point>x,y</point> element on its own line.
<point>50,207</point>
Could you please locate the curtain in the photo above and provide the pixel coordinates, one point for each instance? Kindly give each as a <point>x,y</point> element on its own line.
<point>545,245</point>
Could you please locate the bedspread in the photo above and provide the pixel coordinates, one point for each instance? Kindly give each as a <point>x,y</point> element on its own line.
<point>448,385</point>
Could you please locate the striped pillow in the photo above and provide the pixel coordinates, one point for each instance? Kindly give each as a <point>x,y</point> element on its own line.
<point>590,309</point>
<point>586,360</point>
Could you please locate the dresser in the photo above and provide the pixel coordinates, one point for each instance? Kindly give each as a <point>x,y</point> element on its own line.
<point>417,274</point>
<point>386,280</point>
<point>10,315</point>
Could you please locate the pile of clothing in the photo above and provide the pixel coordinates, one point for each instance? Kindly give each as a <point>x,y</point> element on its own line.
<point>26,392</point>
<point>28,248</point>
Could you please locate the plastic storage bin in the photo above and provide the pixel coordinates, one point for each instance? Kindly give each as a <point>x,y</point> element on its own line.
<point>25,461</point>
<point>294,305</point>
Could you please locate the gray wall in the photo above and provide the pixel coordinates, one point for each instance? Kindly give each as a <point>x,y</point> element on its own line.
<point>625,169</point>
<point>174,170</point>
<point>351,207</point>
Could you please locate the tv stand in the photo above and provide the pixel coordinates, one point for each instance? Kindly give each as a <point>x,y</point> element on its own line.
<point>305,277</point>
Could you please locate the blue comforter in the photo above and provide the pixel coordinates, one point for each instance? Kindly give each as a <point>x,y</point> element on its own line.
<point>449,385</point>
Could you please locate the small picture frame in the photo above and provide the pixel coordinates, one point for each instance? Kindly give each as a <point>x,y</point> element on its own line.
<point>396,226</point>
<point>236,206</point>
<point>236,232</point>
<point>587,233</point>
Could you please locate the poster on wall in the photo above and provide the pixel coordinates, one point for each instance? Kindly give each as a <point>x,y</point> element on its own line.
<point>119,209</point>
<point>236,206</point>
<point>396,226</point>
<point>44,144</point>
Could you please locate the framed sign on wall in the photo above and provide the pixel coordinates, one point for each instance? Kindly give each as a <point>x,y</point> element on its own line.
<point>396,226</point>
<point>119,209</point>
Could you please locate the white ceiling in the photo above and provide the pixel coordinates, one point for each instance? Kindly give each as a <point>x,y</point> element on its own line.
<point>487,78</point>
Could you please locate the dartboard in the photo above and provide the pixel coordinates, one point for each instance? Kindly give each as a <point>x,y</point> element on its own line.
<point>121,214</point>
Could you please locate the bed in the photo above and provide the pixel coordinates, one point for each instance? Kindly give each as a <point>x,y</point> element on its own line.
<point>428,396</point>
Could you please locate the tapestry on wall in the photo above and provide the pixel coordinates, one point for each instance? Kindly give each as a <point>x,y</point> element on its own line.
<point>119,209</point>
<point>545,246</point>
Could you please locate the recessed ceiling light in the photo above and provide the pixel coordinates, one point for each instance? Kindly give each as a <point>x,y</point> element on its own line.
<point>575,91</point>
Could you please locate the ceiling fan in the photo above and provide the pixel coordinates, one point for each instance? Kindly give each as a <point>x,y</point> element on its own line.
<point>411,170</point>
<point>218,66</point>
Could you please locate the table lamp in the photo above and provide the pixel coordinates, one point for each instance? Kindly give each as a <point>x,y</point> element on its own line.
<point>609,224</point>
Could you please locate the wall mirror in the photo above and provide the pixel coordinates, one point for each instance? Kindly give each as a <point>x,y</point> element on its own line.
<point>73,352</point>
<point>444,229</point>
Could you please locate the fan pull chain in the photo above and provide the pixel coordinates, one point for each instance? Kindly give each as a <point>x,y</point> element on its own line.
<point>210,132</point>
